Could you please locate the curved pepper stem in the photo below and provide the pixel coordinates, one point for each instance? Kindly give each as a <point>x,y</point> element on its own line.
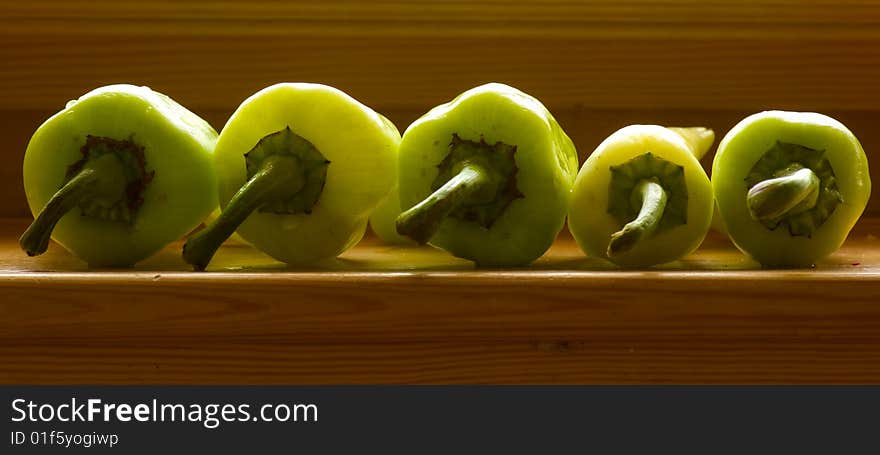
<point>278,177</point>
<point>794,192</point>
<point>102,178</point>
<point>421,222</point>
<point>652,197</point>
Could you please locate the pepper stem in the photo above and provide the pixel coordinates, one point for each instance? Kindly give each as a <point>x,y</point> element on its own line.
<point>652,198</point>
<point>279,176</point>
<point>102,178</point>
<point>797,190</point>
<point>421,222</point>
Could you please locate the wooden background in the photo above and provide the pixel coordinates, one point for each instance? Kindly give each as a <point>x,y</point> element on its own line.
<point>598,65</point>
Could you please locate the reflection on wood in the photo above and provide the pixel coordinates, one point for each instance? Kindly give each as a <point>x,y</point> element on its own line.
<point>383,314</point>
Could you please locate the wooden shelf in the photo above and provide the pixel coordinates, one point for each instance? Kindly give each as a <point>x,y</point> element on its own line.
<point>416,315</point>
<point>382,314</point>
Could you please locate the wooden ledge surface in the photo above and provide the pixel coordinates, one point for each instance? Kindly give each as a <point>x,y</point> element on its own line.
<point>382,314</point>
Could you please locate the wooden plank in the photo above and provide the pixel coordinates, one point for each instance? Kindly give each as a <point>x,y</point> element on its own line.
<point>416,315</point>
<point>673,54</point>
<point>486,18</point>
<point>219,71</point>
<point>381,315</point>
<point>556,361</point>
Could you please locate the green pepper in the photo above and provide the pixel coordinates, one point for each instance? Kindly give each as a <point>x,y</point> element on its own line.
<point>300,169</point>
<point>118,174</point>
<point>383,220</point>
<point>790,186</point>
<point>486,177</point>
<point>384,217</point>
<point>642,198</point>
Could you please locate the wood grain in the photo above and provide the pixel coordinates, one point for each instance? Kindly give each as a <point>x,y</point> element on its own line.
<point>416,315</point>
<point>606,54</point>
<point>485,18</point>
<point>556,361</point>
<point>387,315</point>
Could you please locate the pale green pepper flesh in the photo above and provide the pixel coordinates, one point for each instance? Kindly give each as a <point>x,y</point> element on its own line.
<point>642,198</point>
<point>286,176</point>
<point>790,186</point>
<point>309,222</point>
<point>117,175</point>
<point>383,220</point>
<point>511,147</point>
